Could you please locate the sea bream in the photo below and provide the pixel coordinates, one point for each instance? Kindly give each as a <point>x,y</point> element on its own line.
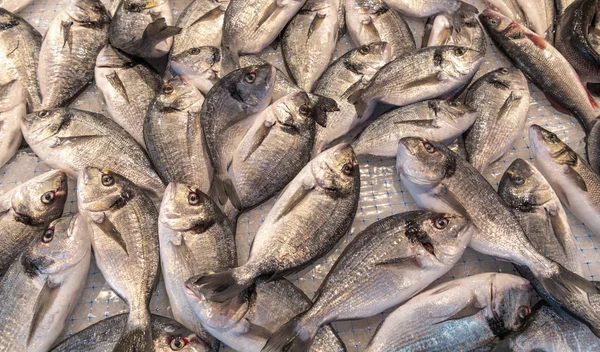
<point>199,66</point>
<point>13,107</point>
<point>201,24</point>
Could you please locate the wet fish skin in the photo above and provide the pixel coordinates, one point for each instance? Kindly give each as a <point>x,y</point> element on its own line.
<point>501,98</point>
<point>539,61</point>
<point>71,139</point>
<point>14,6</point>
<point>440,180</point>
<point>128,87</point>
<point>465,30</point>
<point>425,74</point>
<point>374,21</point>
<point>419,8</point>
<point>572,39</point>
<point>13,107</point>
<point>342,78</point>
<point>103,336</point>
<point>20,45</point>
<point>438,120</point>
<point>201,24</point>
<point>26,210</point>
<point>540,214</point>
<point>308,42</point>
<point>278,144</point>
<point>199,66</point>
<point>508,8</point>
<point>124,235</point>
<point>394,258</point>
<point>540,15</point>
<point>173,135</point>
<point>478,310</point>
<point>292,235</point>
<point>43,286</point>
<point>69,50</point>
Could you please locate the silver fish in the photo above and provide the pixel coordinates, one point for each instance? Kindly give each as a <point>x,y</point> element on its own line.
<point>26,210</point>
<point>425,74</point>
<point>201,24</point>
<point>508,8</point>
<point>341,79</point>
<point>143,28</point>
<point>540,17</point>
<point>308,43</point>
<point>198,66</point>
<point>540,214</point>
<point>43,286</point>
<point>14,5</point>
<point>72,139</point>
<point>461,29</point>
<point>438,120</point>
<point>20,45</point>
<point>128,87</point>
<point>501,98</point>
<point>168,335</point>
<point>293,236</point>
<point>125,243</point>
<point>173,135</point>
<point>593,148</point>
<point>440,180</point>
<point>477,311</point>
<point>371,21</point>
<point>69,50</point>
<point>386,264</point>
<point>13,107</point>
<point>420,8</point>
<point>561,6</point>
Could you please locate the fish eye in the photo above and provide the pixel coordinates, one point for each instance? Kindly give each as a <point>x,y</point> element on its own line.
<point>96,8</point>
<point>48,235</point>
<point>177,343</point>
<point>43,113</point>
<point>428,147</point>
<point>364,50</point>
<point>455,103</point>
<point>193,198</point>
<point>48,197</point>
<point>304,109</point>
<point>523,312</point>
<point>493,21</point>
<point>518,180</point>
<point>250,77</point>
<point>441,223</point>
<point>460,51</point>
<point>107,180</point>
<point>167,89</point>
<point>504,71</point>
<point>195,51</point>
<point>552,138</point>
<point>347,168</point>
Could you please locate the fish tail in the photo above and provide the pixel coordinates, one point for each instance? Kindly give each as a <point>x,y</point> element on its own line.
<point>362,108</point>
<point>136,338</point>
<point>297,335</point>
<point>218,287</point>
<point>158,31</point>
<point>230,59</point>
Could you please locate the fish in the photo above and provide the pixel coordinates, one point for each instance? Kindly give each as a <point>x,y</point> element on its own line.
<point>561,7</point>
<point>26,211</point>
<point>593,148</point>
<point>540,15</point>
<point>293,235</point>
<point>42,287</point>
<point>501,98</point>
<point>428,73</point>
<point>420,8</point>
<point>478,311</point>
<point>548,329</point>
<point>195,237</point>
<point>249,26</point>
<point>68,53</point>
<point>201,24</point>
<point>594,33</point>
<point>342,78</point>
<point>373,21</point>
<point>439,120</point>
<point>13,107</point>
<point>439,180</point>
<point>198,66</point>
<point>71,139</point>
<point>461,29</point>
<point>143,28</point>
<point>540,63</point>
<point>128,86</point>
<point>308,42</point>
<point>540,214</point>
<point>508,8</point>
<point>14,6</point>
<point>173,135</point>
<point>124,225</point>
<point>228,111</point>
<point>437,30</point>
<point>270,304</point>
<point>573,42</point>
<point>273,151</point>
<point>20,45</point>
<point>167,335</point>
<point>386,264</point>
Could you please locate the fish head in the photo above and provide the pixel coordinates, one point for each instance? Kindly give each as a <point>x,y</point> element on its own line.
<point>294,112</point>
<point>458,61</point>
<point>41,199</point>
<point>443,236</point>
<point>500,27</point>
<point>185,207</point>
<point>549,149</point>
<point>424,163</point>
<point>177,95</point>
<point>44,124</point>
<point>198,63</point>
<point>87,11</point>
<point>12,94</point>
<point>369,58</point>
<point>8,19</point>
<point>111,57</point>
<point>336,170</point>
<point>510,303</point>
<point>101,190</point>
<point>250,86</point>
<point>140,5</point>
<point>508,78</point>
<point>523,187</point>
<point>63,244</point>
<point>171,336</point>
<point>453,113</point>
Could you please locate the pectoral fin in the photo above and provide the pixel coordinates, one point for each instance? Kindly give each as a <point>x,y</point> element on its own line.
<point>111,231</point>
<point>271,10</point>
<point>429,80</point>
<point>62,141</point>
<point>295,200</point>
<point>209,16</point>
<point>508,106</point>
<point>574,177</point>
<point>473,307</point>
<point>118,85</point>
<point>257,138</point>
<point>43,303</point>
<point>400,263</point>
<point>417,123</point>
<point>65,27</point>
<point>315,24</point>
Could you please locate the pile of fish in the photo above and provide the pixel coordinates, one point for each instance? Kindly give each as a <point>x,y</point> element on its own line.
<point>201,129</point>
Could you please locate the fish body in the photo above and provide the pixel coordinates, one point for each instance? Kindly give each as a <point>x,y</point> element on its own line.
<point>43,286</point>
<point>478,310</point>
<point>419,8</point>
<point>13,107</point>
<point>386,264</point>
<point>198,66</point>
<point>14,6</point>
<point>71,140</point>
<point>438,120</point>
<point>69,50</point>
<point>501,98</point>
<point>124,236</point>
<point>20,45</point>
<point>201,24</point>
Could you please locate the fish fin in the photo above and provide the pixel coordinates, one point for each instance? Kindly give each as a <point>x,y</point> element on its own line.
<point>118,85</point>
<point>316,23</point>
<point>576,178</point>
<point>294,200</point>
<point>292,336</point>
<point>355,87</point>
<point>450,199</point>
<point>507,107</point>
<point>44,301</point>
<point>537,40</point>
<point>561,194</point>
<point>65,28</point>
<point>321,106</point>
<point>557,227</point>
<point>135,339</point>
<point>73,139</point>
<point>557,106</point>
<point>257,138</point>
<point>416,122</point>
<point>471,308</point>
<point>209,16</point>
<point>444,287</point>
<point>232,194</point>
<point>401,262</point>
<point>269,11</point>
<point>218,287</point>
<point>257,330</point>
<point>427,80</point>
<point>158,31</point>
<point>217,190</point>
<point>111,231</point>
<point>355,98</point>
